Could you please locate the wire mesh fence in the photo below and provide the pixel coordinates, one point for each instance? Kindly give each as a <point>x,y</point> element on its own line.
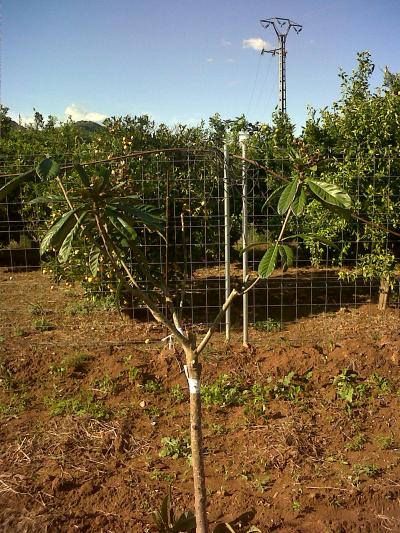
<point>191,188</point>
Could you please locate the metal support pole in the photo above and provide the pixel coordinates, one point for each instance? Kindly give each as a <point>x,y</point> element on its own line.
<point>227,236</point>
<point>281,26</point>
<point>282,74</point>
<point>242,141</point>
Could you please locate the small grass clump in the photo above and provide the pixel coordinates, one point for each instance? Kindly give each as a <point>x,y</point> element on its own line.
<point>105,385</point>
<point>385,442</point>
<point>381,384</point>
<point>270,325</point>
<point>16,404</point>
<point>363,472</point>
<point>134,374</point>
<point>7,380</point>
<point>42,324</point>
<point>357,443</point>
<point>74,363</point>
<point>83,405</point>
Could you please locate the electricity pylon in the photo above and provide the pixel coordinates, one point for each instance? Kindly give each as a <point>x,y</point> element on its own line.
<point>282,27</point>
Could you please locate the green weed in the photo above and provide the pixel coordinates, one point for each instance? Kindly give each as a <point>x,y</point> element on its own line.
<point>106,385</point>
<point>160,475</point>
<point>270,325</point>
<point>224,391</point>
<point>7,381</point>
<point>296,506</point>
<point>85,307</point>
<point>385,442</point>
<point>20,332</point>
<point>84,405</point>
<point>291,386</point>
<point>154,386</point>
<point>261,484</point>
<point>42,324</point>
<point>80,308</point>
<point>349,388</point>
<point>366,471</point>
<point>152,411</point>
<point>77,362</point>
<point>36,309</point>
<point>218,430</point>
<point>357,443</point>
<point>178,395</point>
<point>175,447</point>
<point>134,374</point>
<point>165,519</point>
<point>17,404</point>
<point>383,385</point>
<point>74,363</point>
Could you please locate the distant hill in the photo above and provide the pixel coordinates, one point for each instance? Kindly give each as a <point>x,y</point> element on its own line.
<point>15,126</point>
<point>87,126</point>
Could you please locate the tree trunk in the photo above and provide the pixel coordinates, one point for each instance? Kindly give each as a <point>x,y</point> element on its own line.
<point>193,370</point>
<point>383,293</point>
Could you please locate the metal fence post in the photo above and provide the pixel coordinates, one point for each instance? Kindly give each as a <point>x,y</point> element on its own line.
<point>242,141</point>
<point>227,236</point>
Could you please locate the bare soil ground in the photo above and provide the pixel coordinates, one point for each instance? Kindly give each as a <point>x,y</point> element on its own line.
<point>301,430</point>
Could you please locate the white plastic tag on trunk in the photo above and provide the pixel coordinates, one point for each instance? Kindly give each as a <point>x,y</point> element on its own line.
<point>194,384</point>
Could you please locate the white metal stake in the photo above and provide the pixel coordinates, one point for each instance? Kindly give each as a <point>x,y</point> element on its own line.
<point>242,141</point>
<point>227,228</point>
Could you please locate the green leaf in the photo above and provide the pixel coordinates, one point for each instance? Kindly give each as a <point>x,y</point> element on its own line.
<point>287,196</point>
<point>287,256</point>
<point>162,516</point>
<point>147,215</point>
<point>255,245</point>
<point>299,203</point>
<point>122,224</point>
<point>268,262</point>
<point>329,193</point>
<point>83,175</point>
<point>9,187</point>
<point>130,232</point>
<point>94,258</point>
<point>59,230</point>
<point>66,245</point>
<point>50,199</point>
<point>282,253</point>
<point>47,169</point>
<point>273,196</point>
<point>312,237</point>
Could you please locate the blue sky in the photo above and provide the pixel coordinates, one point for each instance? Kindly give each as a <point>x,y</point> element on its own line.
<point>184,60</point>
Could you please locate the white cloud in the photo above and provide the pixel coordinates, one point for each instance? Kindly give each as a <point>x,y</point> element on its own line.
<point>210,60</point>
<point>79,113</point>
<point>256,43</point>
<point>225,43</point>
<point>230,60</point>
